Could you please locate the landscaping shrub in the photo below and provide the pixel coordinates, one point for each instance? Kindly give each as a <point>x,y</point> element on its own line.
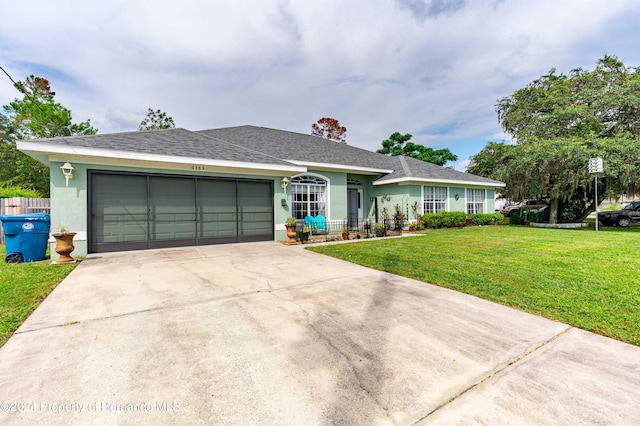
<point>444,219</point>
<point>524,217</point>
<point>570,213</point>
<point>539,216</point>
<point>486,218</point>
<point>519,217</point>
<point>10,191</point>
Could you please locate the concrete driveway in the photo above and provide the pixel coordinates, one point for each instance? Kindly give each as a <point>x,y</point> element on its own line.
<point>263,333</point>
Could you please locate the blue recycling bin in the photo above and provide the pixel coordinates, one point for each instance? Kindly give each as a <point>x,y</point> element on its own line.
<point>26,236</point>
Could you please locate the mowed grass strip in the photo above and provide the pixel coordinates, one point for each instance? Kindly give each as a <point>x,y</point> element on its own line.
<point>579,277</point>
<point>22,287</point>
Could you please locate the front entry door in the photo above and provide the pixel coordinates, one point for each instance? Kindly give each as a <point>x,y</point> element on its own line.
<point>354,207</point>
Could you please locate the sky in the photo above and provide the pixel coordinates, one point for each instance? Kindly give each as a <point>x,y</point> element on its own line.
<point>431,68</point>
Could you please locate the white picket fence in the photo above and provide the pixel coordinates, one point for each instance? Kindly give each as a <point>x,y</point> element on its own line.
<point>17,205</point>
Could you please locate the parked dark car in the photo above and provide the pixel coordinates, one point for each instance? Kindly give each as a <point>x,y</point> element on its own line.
<point>625,217</point>
<point>512,209</point>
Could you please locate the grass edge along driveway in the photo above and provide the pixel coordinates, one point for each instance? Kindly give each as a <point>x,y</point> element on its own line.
<point>23,286</point>
<point>576,276</point>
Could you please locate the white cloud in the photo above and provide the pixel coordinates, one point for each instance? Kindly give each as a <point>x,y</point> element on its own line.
<point>463,165</point>
<point>433,68</point>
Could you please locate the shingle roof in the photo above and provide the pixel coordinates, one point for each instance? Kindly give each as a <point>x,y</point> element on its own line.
<point>313,149</point>
<point>170,142</point>
<point>259,145</point>
<point>300,147</point>
<point>417,169</point>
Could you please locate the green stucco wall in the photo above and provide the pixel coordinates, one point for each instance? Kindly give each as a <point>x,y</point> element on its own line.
<point>69,205</point>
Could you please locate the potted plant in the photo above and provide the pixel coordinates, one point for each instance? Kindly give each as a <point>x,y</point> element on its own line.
<point>345,232</point>
<point>398,220</point>
<point>64,244</point>
<point>290,224</point>
<point>380,229</point>
<point>304,233</point>
<point>413,226</point>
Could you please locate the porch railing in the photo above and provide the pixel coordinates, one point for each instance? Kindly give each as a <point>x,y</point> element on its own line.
<point>331,230</point>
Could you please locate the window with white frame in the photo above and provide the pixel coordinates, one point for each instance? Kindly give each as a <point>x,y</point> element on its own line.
<point>475,201</point>
<point>309,196</point>
<point>435,199</point>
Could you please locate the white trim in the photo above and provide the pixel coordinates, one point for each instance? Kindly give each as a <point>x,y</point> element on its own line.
<point>340,167</point>
<point>423,181</point>
<point>151,158</point>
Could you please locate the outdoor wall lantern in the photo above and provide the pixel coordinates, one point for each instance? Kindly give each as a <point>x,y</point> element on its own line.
<point>457,197</point>
<point>284,183</point>
<point>67,171</point>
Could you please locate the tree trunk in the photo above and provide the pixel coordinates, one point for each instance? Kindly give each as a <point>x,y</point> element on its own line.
<point>553,210</point>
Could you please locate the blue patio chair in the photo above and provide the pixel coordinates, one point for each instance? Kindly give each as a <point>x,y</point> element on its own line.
<point>310,221</point>
<point>321,222</point>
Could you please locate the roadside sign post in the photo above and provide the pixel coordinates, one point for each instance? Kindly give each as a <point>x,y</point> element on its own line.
<point>595,167</point>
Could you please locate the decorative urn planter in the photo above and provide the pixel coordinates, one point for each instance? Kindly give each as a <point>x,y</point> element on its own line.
<point>64,246</point>
<point>291,233</point>
<point>291,224</point>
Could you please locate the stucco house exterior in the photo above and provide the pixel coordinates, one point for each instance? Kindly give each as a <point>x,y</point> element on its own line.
<point>175,187</point>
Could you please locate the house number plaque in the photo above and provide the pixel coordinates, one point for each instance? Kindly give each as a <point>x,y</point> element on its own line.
<point>197,167</point>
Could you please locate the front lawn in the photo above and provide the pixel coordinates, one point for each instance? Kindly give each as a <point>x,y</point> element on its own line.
<point>586,279</point>
<point>22,287</point>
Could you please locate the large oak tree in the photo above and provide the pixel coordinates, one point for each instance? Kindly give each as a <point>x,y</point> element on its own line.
<point>557,123</point>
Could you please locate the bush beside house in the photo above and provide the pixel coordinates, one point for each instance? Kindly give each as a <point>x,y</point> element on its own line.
<point>458,219</point>
<point>486,218</point>
<point>444,219</point>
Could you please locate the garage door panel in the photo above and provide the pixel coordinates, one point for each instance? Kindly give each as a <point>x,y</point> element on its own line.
<point>255,204</point>
<point>130,212</point>
<point>172,202</point>
<point>167,226</point>
<point>119,228</point>
<point>172,195</point>
<point>119,194</point>
<point>255,224</point>
<point>218,226</point>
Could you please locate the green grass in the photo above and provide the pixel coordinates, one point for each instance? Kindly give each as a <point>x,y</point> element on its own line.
<point>22,287</point>
<point>586,279</point>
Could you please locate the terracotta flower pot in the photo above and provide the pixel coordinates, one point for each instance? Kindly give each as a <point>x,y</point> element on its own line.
<point>291,233</point>
<point>64,246</point>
